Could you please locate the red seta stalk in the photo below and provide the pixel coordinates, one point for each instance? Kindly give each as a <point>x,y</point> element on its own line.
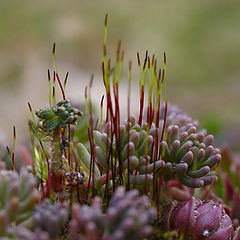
<point>155,194</point>
<point>142,89</point>
<point>128,126</point>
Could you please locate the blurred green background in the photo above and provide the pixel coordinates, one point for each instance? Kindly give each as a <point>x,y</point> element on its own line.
<point>201,40</point>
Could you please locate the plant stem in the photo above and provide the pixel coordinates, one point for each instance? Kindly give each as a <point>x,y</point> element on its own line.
<point>57,156</point>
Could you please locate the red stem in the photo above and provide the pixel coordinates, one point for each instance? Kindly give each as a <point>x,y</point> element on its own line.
<point>69,139</point>
<point>164,124</point>
<point>141,106</point>
<point>61,87</point>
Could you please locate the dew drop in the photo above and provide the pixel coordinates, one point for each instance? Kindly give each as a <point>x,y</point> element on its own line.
<point>206,233</point>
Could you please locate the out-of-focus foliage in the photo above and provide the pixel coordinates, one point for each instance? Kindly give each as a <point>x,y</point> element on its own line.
<point>201,39</point>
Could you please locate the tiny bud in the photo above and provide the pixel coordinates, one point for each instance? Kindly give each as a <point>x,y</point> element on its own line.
<point>55,109</point>
<point>37,111</point>
<point>61,109</point>
<point>208,140</point>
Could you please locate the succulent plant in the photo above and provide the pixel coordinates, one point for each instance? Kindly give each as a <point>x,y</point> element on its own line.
<point>128,216</point>
<point>163,154</point>
<point>190,155</point>
<point>18,195</point>
<point>87,221</point>
<point>59,115</point>
<point>21,233</point>
<point>187,152</point>
<point>196,219</point>
<point>227,188</point>
<point>53,120</point>
<point>134,146</point>
<point>50,218</point>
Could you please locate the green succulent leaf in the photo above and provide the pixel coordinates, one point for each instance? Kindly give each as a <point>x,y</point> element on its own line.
<point>52,124</point>
<point>41,166</point>
<point>46,114</point>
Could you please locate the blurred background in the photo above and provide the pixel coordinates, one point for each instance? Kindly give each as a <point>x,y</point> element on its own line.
<point>201,40</point>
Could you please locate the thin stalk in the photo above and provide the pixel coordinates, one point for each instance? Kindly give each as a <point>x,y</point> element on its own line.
<point>140,73</point>
<point>10,156</point>
<point>38,135</point>
<point>128,126</point>
<point>13,147</point>
<point>65,81</point>
<point>165,93</point>
<point>150,91</point>
<point>64,98</point>
<point>69,150</point>
<point>105,40</point>
<point>118,121</point>
<point>32,148</point>
<point>41,167</point>
<point>53,91</point>
<point>61,87</point>
<point>154,74</point>
<point>159,88</point>
<point>101,116</point>
<point>105,29</point>
<point>55,72</point>
<point>108,94</point>
<point>54,57</point>
<point>142,89</point>
<point>116,118</point>
<point>156,147</point>
<point>91,135</point>
<point>49,90</point>
<point>64,150</point>
<point>108,157</point>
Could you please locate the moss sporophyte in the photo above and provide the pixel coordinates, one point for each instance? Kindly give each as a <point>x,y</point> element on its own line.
<point>152,176</point>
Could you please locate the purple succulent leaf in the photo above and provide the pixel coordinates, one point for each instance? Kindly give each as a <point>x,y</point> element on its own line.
<point>188,158</point>
<point>150,167</point>
<point>181,168</point>
<point>141,179</point>
<point>191,182</point>
<point>200,172</point>
<point>199,220</point>
<point>222,234</point>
